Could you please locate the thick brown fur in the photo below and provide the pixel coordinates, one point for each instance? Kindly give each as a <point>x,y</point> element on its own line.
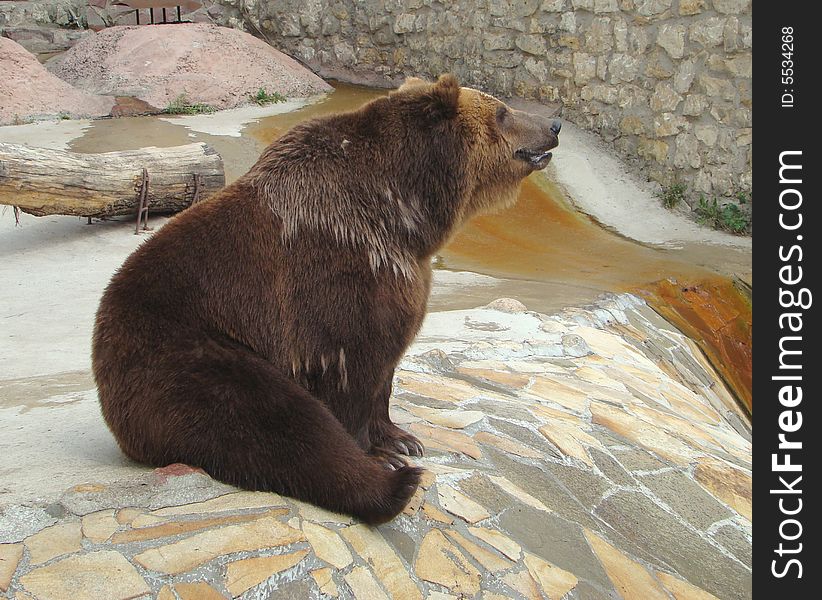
<point>257,333</point>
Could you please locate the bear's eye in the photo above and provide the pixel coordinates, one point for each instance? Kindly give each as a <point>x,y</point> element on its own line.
<point>502,112</point>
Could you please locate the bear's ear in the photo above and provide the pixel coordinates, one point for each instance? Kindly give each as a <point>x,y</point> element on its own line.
<point>411,82</point>
<point>440,102</point>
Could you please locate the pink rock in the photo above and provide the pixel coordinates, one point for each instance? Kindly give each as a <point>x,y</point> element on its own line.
<point>163,474</point>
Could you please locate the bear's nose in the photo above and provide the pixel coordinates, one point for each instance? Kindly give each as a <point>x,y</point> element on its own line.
<point>556,126</point>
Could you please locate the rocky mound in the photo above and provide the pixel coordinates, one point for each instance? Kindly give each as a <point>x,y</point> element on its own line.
<point>211,65</point>
<point>28,91</point>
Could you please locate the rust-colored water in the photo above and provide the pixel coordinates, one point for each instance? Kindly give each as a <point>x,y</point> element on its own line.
<point>717,316</point>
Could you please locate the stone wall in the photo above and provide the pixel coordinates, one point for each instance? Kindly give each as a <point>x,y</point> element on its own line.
<point>668,82</point>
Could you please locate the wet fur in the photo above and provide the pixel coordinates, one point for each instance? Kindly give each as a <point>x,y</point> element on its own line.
<point>256,335</point>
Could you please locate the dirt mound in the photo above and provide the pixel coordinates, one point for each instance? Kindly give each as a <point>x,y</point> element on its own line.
<point>29,92</point>
<point>211,65</point>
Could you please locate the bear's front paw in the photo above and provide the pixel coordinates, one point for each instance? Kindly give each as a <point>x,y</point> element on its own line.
<point>389,437</point>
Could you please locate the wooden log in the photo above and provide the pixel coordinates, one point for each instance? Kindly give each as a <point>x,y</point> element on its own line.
<point>42,181</point>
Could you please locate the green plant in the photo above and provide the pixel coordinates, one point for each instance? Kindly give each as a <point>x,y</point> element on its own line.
<point>181,106</point>
<point>673,195</point>
<point>262,97</point>
<point>728,217</point>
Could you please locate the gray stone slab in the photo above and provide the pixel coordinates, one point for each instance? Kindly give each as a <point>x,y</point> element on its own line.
<point>687,498</point>
<point>555,539</point>
<point>662,535</point>
<point>734,541</point>
<point>526,436</point>
<point>478,487</point>
<point>586,486</point>
<point>17,522</point>
<point>587,591</point>
<point>544,487</point>
<point>611,468</point>
<point>636,459</point>
<point>402,543</point>
<point>424,401</point>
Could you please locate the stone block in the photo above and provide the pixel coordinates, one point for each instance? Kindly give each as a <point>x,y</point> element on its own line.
<point>672,39</point>
<point>708,32</point>
<point>732,7</point>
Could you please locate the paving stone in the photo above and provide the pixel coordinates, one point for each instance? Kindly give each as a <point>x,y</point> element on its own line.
<point>451,418</point>
<point>611,468</point>
<point>587,591</point>
<point>437,387</point>
<point>100,526</point>
<point>491,561</point>
<point>414,503</point>
<point>662,536</point>
<point>63,538</point>
<point>403,543</point>
<point>518,493</point>
<point>568,439</point>
<point>488,494</point>
<point>494,538</point>
<point>734,541</point>
<point>519,433</point>
<point>225,503</point>
<point>452,440</point>
<point>440,562</point>
<point>682,590</point>
<point>166,593</point>
<point>102,575</point>
<point>242,575</point>
<point>382,559</point>
<point>433,513</point>
<point>638,460</point>
<point>523,583</point>
<point>184,555</point>
<point>309,512</point>
<point>505,378</point>
<point>554,539</point>
<point>10,555</point>
<point>586,486</point>
<point>730,485</point>
<point>197,591</point>
<point>631,580</point>
<point>327,545</point>
<point>509,410</point>
<point>325,582</point>
<point>425,401</point>
<point>506,445</point>
<point>687,498</point>
<point>125,516</point>
<point>17,522</point>
<point>173,528</point>
<point>363,585</point>
<point>553,581</point>
<point>552,390</point>
<point>544,487</point>
<point>461,505</point>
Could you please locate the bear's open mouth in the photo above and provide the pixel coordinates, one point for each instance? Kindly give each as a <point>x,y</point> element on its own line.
<point>536,158</point>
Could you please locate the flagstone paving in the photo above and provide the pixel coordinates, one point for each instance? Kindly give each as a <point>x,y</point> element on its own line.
<point>587,455</point>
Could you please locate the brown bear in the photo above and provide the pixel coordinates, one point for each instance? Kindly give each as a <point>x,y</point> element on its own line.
<point>256,334</point>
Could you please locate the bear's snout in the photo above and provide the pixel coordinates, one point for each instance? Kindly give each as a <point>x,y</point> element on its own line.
<point>556,126</point>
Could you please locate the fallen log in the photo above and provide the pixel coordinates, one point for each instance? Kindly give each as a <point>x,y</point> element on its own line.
<point>42,181</point>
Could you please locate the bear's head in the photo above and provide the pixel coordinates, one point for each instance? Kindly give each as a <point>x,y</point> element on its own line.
<point>477,143</point>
